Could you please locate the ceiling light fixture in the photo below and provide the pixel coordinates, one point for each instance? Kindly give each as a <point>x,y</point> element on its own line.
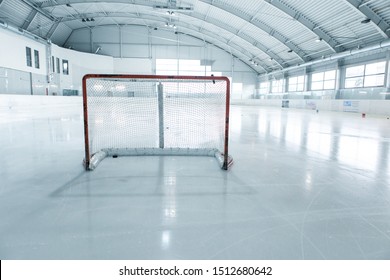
<point>290,51</point>
<point>318,39</point>
<point>87,19</point>
<point>170,24</point>
<point>367,20</point>
<point>255,63</point>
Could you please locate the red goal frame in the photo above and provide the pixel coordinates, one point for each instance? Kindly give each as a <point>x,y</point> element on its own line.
<point>227,160</point>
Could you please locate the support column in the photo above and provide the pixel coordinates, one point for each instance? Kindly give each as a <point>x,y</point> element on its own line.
<point>31,84</point>
<point>387,72</point>
<point>286,78</point>
<point>233,76</point>
<point>306,79</point>
<point>120,41</point>
<point>178,54</point>
<point>269,87</point>
<point>91,40</point>
<point>387,76</point>
<point>160,90</point>
<point>48,67</point>
<point>150,43</point>
<point>340,77</point>
<point>308,74</point>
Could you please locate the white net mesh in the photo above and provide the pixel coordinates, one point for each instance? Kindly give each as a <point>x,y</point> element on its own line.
<point>184,116</point>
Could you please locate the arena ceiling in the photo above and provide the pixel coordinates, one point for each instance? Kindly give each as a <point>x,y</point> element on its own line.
<point>268,35</point>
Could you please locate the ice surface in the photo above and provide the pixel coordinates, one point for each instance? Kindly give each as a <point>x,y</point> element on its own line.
<point>303,186</point>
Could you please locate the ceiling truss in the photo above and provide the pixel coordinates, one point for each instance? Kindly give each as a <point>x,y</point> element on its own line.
<point>219,32</point>
<point>382,26</point>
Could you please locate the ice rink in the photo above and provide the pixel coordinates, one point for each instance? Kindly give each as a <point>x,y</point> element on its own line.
<point>304,185</point>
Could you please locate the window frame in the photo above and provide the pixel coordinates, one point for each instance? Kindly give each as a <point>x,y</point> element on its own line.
<point>58,67</point>
<point>298,86</point>
<point>363,77</point>
<point>65,70</point>
<point>264,87</point>
<point>28,57</point>
<point>53,66</point>
<point>279,86</point>
<point>324,80</point>
<point>36,59</point>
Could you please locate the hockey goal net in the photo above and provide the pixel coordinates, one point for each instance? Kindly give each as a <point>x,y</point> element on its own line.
<point>139,115</point>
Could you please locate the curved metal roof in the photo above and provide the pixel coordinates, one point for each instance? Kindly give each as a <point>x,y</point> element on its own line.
<point>273,34</point>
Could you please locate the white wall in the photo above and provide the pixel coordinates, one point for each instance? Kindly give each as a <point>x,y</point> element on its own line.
<point>13,56</point>
<point>136,48</point>
<point>375,107</point>
<point>44,103</point>
<point>144,47</point>
<point>133,66</point>
<point>79,65</point>
<point>13,52</point>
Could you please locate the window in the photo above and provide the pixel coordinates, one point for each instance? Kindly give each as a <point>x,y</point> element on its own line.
<point>237,87</point>
<point>28,57</point>
<point>65,67</point>
<point>189,67</point>
<point>58,65</point>
<point>323,80</point>
<point>36,58</point>
<point>367,75</point>
<point>296,83</point>
<point>166,66</point>
<point>53,67</point>
<point>264,87</point>
<point>192,68</point>
<point>277,86</point>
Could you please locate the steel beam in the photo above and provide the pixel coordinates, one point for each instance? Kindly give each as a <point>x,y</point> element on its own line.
<point>39,9</point>
<point>300,53</point>
<point>238,52</point>
<point>382,26</point>
<point>331,42</point>
<point>263,26</point>
<point>52,30</point>
<point>29,19</point>
<point>244,37</point>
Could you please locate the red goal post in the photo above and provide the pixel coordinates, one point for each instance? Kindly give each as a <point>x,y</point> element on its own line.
<point>139,115</point>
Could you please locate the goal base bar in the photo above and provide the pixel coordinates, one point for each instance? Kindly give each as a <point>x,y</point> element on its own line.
<point>102,154</point>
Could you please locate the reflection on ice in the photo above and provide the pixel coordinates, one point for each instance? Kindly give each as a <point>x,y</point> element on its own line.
<point>358,152</point>
<point>304,185</point>
<point>351,142</point>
